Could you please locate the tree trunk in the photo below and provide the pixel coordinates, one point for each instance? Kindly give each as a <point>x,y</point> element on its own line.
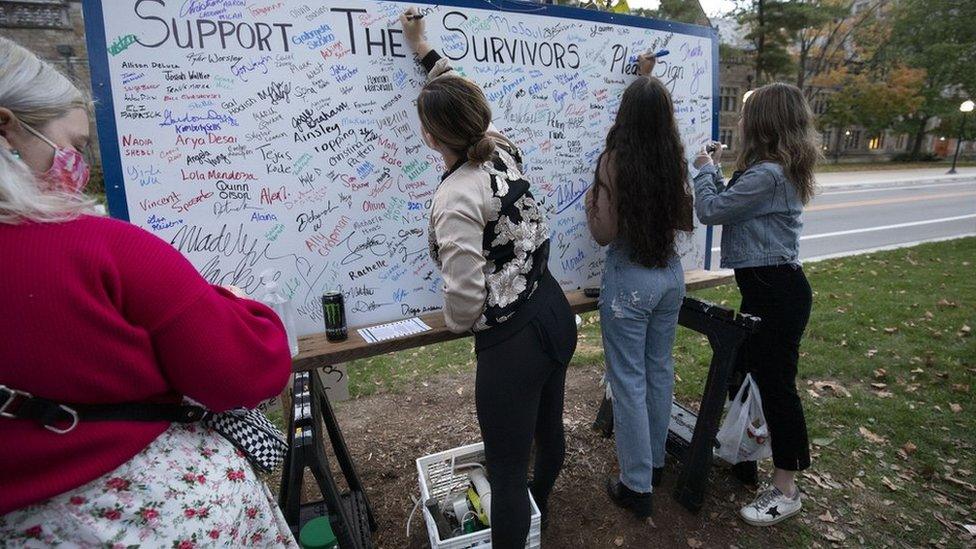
<point>919,136</point>
<point>801,73</point>
<point>760,42</point>
<point>837,145</point>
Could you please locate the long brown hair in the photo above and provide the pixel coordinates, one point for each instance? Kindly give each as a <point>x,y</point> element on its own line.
<point>650,173</point>
<point>777,126</point>
<point>454,111</point>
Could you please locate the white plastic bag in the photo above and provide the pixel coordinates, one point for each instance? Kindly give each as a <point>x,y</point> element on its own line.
<point>744,435</point>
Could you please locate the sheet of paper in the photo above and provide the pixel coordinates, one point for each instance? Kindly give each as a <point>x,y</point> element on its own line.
<point>393,330</point>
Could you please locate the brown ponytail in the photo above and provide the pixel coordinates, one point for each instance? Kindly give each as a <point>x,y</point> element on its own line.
<point>454,111</point>
<point>481,150</point>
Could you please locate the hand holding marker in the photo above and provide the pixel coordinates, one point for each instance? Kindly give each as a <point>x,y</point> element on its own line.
<point>647,60</point>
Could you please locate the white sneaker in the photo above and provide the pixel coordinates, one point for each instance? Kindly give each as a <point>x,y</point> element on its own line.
<point>771,507</point>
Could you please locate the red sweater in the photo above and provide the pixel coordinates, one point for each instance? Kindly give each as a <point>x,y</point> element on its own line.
<point>99,311</point>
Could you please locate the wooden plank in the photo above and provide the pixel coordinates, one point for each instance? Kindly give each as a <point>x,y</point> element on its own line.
<point>317,351</point>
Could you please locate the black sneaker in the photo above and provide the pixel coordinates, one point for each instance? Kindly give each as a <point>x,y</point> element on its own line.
<point>657,475</point>
<point>638,503</point>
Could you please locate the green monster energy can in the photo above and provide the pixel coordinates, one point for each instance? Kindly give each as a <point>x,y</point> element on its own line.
<point>334,310</point>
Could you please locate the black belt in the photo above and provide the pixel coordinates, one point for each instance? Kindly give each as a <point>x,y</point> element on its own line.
<point>62,418</point>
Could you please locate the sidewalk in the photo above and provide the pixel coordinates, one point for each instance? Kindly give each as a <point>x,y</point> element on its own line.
<point>882,177</point>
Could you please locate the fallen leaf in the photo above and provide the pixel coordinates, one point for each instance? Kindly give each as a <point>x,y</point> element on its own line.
<point>879,386</point>
<point>692,542</point>
<point>871,353</point>
<point>880,373</point>
<point>909,448</point>
<point>891,485</point>
<point>835,535</point>
<point>827,517</point>
<point>460,391</point>
<point>960,388</point>
<point>618,541</point>
<point>857,482</point>
<point>971,528</point>
<point>833,386</point>
<point>890,330</point>
<point>946,303</point>
<point>884,394</point>
<point>871,437</point>
<point>955,408</point>
<point>823,441</point>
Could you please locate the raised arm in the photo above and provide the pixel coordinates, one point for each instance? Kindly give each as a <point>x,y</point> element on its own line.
<point>743,200</point>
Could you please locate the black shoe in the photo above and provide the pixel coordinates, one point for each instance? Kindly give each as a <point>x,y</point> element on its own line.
<point>640,504</point>
<point>657,475</point>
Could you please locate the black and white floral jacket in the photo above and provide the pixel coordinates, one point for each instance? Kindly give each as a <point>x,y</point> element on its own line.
<point>487,235</point>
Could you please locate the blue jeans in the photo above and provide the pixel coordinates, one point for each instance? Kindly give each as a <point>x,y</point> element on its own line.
<point>639,315</point>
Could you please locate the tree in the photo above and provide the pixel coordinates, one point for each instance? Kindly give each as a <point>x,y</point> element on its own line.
<point>834,36</point>
<point>872,101</point>
<point>772,26</point>
<point>939,37</point>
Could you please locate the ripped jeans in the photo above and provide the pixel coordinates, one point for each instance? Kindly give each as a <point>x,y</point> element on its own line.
<point>639,315</point>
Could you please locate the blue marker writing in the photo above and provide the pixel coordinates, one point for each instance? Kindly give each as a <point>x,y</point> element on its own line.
<point>661,53</point>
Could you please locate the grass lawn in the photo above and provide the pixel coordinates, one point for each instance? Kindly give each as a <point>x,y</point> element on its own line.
<point>828,166</point>
<point>887,373</point>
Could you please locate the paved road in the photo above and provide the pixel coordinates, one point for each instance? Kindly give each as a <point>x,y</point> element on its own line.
<point>857,212</point>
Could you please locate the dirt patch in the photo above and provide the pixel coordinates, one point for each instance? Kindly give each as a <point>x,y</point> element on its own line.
<point>387,432</point>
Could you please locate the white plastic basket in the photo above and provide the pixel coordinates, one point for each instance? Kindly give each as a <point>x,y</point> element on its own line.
<point>437,480</point>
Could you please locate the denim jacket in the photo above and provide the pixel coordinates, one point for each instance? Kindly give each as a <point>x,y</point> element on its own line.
<point>759,213</point>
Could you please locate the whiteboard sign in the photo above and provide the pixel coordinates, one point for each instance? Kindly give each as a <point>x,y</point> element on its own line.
<point>280,138</point>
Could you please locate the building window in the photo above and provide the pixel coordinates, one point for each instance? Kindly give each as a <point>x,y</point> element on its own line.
<point>824,140</point>
<point>42,14</point>
<point>729,99</point>
<point>725,137</point>
<point>901,142</point>
<point>819,106</point>
<point>852,139</point>
<point>876,142</point>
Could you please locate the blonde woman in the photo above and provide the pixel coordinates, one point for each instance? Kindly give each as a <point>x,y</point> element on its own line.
<point>491,242</point>
<point>100,312</point>
<point>759,210</point>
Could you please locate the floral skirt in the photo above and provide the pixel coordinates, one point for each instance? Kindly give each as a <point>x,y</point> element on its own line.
<point>189,488</point>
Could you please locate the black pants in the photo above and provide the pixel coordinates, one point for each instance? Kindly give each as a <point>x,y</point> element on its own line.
<point>782,298</point>
<point>519,397</point>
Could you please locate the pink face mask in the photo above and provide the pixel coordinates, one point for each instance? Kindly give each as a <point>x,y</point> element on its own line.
<point>69,171</point>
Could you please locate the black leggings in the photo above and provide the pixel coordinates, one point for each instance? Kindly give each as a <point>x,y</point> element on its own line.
<point>519,396</point>
<point>781,297</point>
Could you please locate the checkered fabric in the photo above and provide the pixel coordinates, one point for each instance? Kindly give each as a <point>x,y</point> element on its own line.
<point>262,443</point>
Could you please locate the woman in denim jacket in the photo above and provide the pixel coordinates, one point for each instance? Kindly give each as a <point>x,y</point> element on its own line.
<point>759,210</point>
<point>639,204</point>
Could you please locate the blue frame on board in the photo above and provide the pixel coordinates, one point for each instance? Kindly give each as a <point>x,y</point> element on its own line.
<point>108,135</point>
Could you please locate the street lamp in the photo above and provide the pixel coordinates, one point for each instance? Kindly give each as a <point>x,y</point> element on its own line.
<point>966,107</point>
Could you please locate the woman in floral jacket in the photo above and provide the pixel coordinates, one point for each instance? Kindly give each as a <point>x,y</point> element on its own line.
<point>491,242</point>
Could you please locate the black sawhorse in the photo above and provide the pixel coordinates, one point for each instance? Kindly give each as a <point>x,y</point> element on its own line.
<point>350,513</point>
<point>691,439</point>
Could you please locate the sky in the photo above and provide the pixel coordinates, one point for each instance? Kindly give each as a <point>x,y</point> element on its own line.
<point>712,7</point>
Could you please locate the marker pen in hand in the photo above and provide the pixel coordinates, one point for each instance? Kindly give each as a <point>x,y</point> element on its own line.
<point>659,54</point>
<point>412,17</point>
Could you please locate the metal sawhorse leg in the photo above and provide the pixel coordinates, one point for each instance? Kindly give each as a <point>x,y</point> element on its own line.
<point>351,514</point>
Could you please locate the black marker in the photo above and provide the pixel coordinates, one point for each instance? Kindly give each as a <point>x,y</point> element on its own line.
<point>412,17</point>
